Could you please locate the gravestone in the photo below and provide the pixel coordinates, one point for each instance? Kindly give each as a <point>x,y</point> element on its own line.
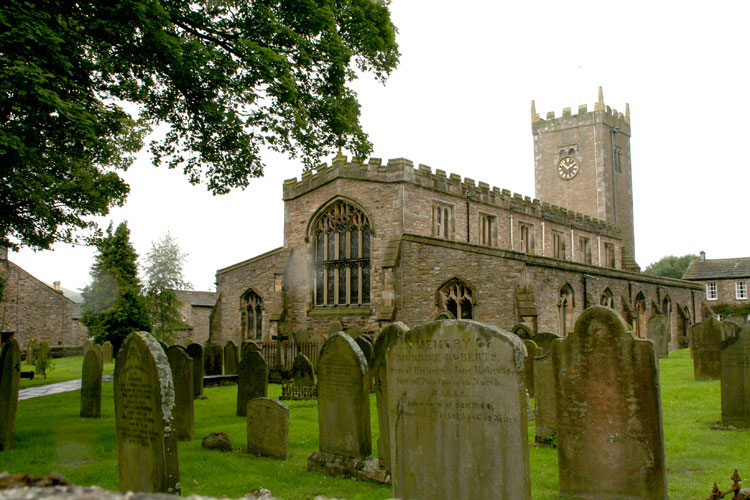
<point>457,413</point>
<point>30,352</point>
<point>252,381</point>
<point>213,355</point>
<point>100,356</point>
<point>335,326</point>
<point>366,346</point>
<point>532,351</point>
<point>10,376</point>
<point>387,336</point>
<point>443,315</point>
<point>545,400</point>
<point>195,351</point>
<point>91,385</point>
<point>181,366</point>
<point>355,331</point>
<point>735,380</point>
<point>610,438</point>
<point>230,358</point>
<point>144,413</point>
<point>249,346</point>
<point>736,319</point>
<point>303,372</point>
<point>523,331</point>
<point>544,341</point>
<point>268,428</point>
<point>705,347</point>
<point>657,330</point>
<point>42,354</point>
<point>87,346</point>
<point>107,352</point>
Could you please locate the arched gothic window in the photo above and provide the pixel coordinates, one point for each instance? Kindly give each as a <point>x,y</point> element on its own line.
<point>607,298</point>
<point>666,307</point>
<point>565,308</point>
<point>252,315</point>
<point>342,256</point>
<point>457,298</point>
<point>639,321</point>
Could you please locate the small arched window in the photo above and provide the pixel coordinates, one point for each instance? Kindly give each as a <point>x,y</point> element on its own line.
<point>639,321</point>
<point>607,299</point>
<point>565,306</point>
<point>457,298</point>
<point>342,256</point>
<point>252,315</point>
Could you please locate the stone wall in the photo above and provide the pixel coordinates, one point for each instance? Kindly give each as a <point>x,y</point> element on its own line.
<point>726,293</point>
<point>35,311</point>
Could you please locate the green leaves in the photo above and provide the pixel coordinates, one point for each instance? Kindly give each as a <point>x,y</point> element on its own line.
<point>670,266</point>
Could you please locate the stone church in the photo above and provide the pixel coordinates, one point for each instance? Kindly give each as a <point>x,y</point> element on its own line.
<point>367,243</point>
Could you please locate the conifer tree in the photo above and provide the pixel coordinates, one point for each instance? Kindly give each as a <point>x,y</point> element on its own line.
<point>113,305</point>
<point>163,279</point>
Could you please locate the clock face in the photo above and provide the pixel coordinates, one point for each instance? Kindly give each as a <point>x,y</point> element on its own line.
<point>567,168</point>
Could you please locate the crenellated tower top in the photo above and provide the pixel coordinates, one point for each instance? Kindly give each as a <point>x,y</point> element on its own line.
<point>601,114</point>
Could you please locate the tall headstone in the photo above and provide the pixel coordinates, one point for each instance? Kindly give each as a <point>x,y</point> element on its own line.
<point>231,359</point>
<point>735,380</point>
<point>213,355</point>
<point>91,385</point>
<point>31,352</point>
<point>181,366</point>
<point>532,351</point>
<point>98,349</point>
<point>544,341</point>
<point>107,352</point>
<point>387,336</point>
<point>705,347</point>
<point>10,376</point>
<point>457,413</point>
<point>144,414</point>
<point>610,437</point>
<point>545,400</point>
<point>87,346</point>
<point>343,398</point>
<point>248,346</point>
<point>268,428</point>
<point>252,381</point>
<point>302,370</point>
<point>195,351</point>
<point>657,330</point>
<point>366,346</point>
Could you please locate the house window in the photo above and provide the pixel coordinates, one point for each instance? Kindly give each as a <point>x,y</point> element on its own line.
<point>457,298</point>
<point>712,293</point>
<point>609,255</point>
<point>584,250</point>
<point>252,315</point>
<point>558,245</point>
<point>526,237</point>
<point>342,257</point>
<point>442,220</point>
<point>740,290</point>
<point>487,230</point>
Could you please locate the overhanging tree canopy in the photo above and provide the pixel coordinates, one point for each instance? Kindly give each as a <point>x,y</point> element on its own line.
<point>228,77</point>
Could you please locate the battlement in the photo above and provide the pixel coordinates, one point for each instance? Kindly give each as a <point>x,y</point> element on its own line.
<point>601,114</point>
<point>402,170</point>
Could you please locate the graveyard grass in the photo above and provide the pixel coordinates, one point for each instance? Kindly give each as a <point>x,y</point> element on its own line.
<point>50,436</point>
<point>63,369</point>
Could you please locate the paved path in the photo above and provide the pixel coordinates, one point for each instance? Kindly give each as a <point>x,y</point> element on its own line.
<point>46,390</point>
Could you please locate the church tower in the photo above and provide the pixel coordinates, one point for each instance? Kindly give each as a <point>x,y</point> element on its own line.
<point>582,163</point>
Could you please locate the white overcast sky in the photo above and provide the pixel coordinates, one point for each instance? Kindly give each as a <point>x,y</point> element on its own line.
<point>460,101</point>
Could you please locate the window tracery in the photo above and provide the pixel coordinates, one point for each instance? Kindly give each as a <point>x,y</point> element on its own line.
<point>252,315</point>
<point>457,298</point>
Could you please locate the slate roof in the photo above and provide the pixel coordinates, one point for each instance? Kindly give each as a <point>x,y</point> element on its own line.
<point>207,299</point>
<point>718,269</point>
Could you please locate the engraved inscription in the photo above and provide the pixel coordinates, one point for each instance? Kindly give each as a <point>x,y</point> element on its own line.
<point>336,378</point>
<point>138,424</point>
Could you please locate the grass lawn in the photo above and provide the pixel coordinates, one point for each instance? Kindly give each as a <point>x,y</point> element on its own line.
<point>51,437</point>
<point>62,369</point>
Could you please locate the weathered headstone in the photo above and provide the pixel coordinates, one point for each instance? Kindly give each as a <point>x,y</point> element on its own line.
<point>268,428</point>
<point>10,376</point>
<point>98,349</point>
<point>213,355</point>
<point>181,366</point>
<point>736,319</point>
<point>91,385</point>
<point>366,346</point>
<point>387,336</point>
<point>610,438</point>
<point>231,359</point>
<point>252,381</point>
<point>249,346</point>
<point>303,372</point>
<point>735,380</point>
<point>335,326</point>
<point>458,413</point>
<point>195,351</point>
<point>545,400</point>
<point>544,341</point>
<point>87,346</point>
<point>532,351</point>
<point>144,412</point>
<point>31,352</point>
<point>657,330</point>
<point>355,331</point>
<point>107,352</point>
<point>705,347</point>
<point>523,331</point>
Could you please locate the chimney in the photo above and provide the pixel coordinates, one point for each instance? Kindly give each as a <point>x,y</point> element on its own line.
<point>703,256</point>
<point>56,286</point>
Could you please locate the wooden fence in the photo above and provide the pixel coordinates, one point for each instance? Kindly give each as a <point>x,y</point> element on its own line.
<point>291,349</point>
